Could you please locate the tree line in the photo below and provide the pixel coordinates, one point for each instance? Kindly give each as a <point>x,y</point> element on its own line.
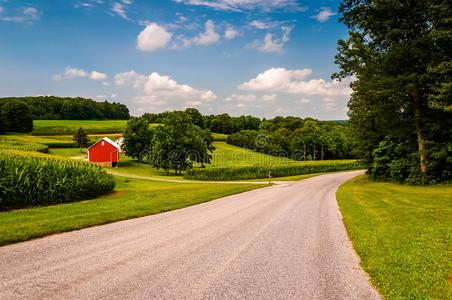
<point>400,53</point>
<point>296,138</point>
<point>66,108</point>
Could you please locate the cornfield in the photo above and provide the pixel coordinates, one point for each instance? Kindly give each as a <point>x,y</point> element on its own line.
<point>261,171</point>
<point>30,179</point>
<point>23,145</point>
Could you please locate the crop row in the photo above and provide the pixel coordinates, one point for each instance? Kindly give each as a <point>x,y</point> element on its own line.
<point>262,171</point>
<point>30,179</point>
<point>63,130</point>
<point>23,145</point>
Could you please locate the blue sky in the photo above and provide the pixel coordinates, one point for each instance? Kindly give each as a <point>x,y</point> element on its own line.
<point>265,58</point>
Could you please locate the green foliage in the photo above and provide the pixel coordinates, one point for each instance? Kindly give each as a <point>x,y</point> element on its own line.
<point>179,143</point>
<point>16,116</point>
<point>32,179</point>
<point>314,139</point>
<point>81,138</point>
<point>400,54</point>
<point>261,171</point>
<point>59,108</point>
<point>137,137</point>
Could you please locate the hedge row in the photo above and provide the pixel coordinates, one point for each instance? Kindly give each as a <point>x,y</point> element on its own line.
<point>30,179</point>
<point>261,171</point>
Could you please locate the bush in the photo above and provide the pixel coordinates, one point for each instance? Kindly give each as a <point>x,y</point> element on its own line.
<point>261,171</point>
<point>30,179</point>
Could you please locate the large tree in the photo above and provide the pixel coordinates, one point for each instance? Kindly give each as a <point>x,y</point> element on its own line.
<point>17,116</point>
<point>400,53</point>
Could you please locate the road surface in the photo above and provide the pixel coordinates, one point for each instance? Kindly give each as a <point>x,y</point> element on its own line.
<point>278,242</point>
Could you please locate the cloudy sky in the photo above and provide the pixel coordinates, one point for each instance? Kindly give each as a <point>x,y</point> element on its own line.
<point>259,57</point>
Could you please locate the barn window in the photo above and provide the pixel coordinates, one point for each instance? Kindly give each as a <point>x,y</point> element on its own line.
<point>103,143</point>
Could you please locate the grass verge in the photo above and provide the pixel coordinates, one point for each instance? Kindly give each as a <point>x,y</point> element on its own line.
<point>134,198</point>
<point>403,235</point>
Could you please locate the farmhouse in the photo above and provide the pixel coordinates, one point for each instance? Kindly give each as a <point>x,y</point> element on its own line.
<point>104,152</point>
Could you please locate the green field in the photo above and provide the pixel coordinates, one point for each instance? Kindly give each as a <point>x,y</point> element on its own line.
<point>68,127</point>
<point>403,235</point>
<point>132,198</point>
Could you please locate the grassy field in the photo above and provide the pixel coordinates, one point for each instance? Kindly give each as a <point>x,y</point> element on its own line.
<point>403,235</point>
<point>67,127</point>
<point>133,198</point>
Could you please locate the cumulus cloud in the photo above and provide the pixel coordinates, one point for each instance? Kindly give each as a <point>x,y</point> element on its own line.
<point>259,24</point>
<point>97,76</point>
<point>1,9</point>
<point>153,37</point>
<point>272,44</point>
<point>71,73</point>
<point>230,33</point>
<point>251,98</point>
<point>293,82</point>
<point>156,89</point>
<point>209,36</point>
<point>304,100</point>
<point>324,14</point>
<point>246,5</point>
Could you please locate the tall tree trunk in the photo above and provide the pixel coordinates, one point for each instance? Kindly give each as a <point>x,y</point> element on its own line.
<point>321,153</point>
<point>420,142</point>
<point>313,156</point>
<point>304,152</point>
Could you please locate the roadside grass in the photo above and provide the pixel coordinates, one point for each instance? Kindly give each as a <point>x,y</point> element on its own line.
<point>403,235</point>
<point>296,177</point>
<point>133,198</point>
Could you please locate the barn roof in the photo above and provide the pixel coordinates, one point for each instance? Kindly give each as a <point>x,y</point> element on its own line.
<point>107,140</point>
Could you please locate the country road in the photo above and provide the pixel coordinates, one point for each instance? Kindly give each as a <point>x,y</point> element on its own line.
<point>279,242</point>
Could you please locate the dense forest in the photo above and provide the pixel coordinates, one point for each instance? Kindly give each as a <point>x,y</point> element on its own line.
<point>65,108</point>
<point>400,53</point>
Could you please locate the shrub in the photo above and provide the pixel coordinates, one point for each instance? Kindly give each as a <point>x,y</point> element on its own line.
<point>261,171</point>
<point>30,179</point>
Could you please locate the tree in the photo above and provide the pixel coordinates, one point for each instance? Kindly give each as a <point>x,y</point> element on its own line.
<point>195,116</point>
<point>17,116</point>
<point>137,137</point>
<point>179,143</point>
<point>393,50</point>
<point>81,138</point>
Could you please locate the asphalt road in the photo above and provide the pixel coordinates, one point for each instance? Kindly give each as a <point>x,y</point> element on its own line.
<point>279,242</point>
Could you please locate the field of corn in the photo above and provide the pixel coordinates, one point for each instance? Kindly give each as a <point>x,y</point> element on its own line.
<point>23,145</point>
<point>30,179</point>
<point>261,171</point>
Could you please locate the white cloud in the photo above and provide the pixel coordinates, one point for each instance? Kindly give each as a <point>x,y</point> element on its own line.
<point>293,82</point>
<point>153,37</point>
<point>246,5</point>
<point>119,9</point>
<point>28,15</point>
<point>126,1</point>
<point>324,14</point>
<point>193,103</point>
<point>251,98</point>
<point>209,36</point>
<point>71,73</point>
<point>230,33</point>
<point>101,96</point>
<point>113,96</point>
<point>1,9</point>
<point>304,100</point>
<point>97,76</point>
<point>329,104</point>
<point>271,44</point>
<point>157,89</point>
<point>259,24</point>
<point>105,83</point>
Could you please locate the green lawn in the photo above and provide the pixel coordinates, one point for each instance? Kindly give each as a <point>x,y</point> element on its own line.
<point>403,235</point>
<point>133,198</point>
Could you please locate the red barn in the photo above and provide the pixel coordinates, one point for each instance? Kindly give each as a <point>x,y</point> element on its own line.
<point>105,152</point>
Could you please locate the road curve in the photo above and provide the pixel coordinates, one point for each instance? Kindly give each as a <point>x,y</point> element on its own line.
<point>278,242</point>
